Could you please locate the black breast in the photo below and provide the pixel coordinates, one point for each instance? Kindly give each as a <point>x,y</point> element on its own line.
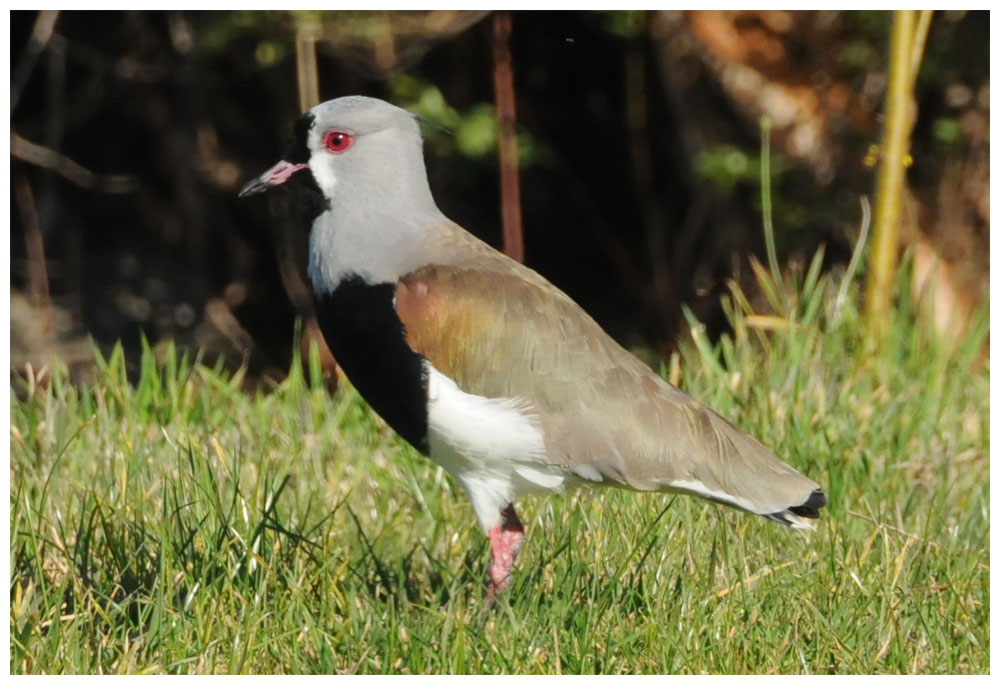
<point>368,341</point>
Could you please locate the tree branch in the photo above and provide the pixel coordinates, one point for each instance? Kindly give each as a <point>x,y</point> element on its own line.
<point>44,26</point>
<point>47,158</point>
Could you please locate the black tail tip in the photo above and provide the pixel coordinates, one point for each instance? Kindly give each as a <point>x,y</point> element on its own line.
<point>810,508</point>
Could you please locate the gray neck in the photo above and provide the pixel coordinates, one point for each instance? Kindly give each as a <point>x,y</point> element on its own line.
<point>378,247</point>
<point>379,215</point>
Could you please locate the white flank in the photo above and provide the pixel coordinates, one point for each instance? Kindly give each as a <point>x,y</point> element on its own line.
<point>493,447</point>
<point>481,428</point>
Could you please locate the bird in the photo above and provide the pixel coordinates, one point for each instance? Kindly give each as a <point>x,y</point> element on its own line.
<point>482,364</point>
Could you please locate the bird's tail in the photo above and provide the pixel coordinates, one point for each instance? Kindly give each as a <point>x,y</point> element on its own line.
<point>737,470</point>
<point>798,516</point>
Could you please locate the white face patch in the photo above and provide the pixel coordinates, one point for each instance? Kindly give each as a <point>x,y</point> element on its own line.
<point>322,171</point>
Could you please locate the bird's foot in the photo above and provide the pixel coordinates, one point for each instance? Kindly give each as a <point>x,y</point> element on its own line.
<point>505,541</point>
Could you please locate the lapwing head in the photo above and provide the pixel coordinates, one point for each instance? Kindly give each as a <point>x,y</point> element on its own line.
<point>355,166</point>
<point>350,150</point>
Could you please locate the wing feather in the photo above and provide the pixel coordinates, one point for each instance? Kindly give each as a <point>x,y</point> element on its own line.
<point>499,329</point>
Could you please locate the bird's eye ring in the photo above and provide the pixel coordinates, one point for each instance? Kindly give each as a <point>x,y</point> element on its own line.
<point>337,141</point>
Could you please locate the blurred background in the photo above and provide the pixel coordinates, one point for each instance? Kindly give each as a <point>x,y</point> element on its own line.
<point>639,137</point>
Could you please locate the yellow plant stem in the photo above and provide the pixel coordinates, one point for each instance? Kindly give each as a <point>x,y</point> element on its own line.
<point>889,187</point>
<point>307,33</point>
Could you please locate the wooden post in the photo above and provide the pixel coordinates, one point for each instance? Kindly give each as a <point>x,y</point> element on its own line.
<point>306,35</point>
<point>510,184</point>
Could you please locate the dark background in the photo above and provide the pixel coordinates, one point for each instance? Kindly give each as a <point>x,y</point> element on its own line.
<point>132,132</point>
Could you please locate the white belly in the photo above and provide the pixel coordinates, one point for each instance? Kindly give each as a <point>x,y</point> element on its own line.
<point>494,447</point>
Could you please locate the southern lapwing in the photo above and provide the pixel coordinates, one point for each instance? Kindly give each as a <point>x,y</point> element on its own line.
<point>482,364</point>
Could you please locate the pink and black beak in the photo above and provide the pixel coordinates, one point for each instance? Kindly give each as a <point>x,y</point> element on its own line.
<point>274,176</point>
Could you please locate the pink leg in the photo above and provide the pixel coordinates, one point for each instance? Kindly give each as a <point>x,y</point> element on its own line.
<point>505,540</point>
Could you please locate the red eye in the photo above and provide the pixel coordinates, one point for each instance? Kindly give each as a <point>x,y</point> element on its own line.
<point>337,141</point>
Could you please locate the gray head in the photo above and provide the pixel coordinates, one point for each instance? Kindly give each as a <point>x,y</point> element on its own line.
<point>356,149</point>
<point>358,163</point>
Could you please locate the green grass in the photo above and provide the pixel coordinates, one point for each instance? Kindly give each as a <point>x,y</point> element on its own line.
<point>180,525</point>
